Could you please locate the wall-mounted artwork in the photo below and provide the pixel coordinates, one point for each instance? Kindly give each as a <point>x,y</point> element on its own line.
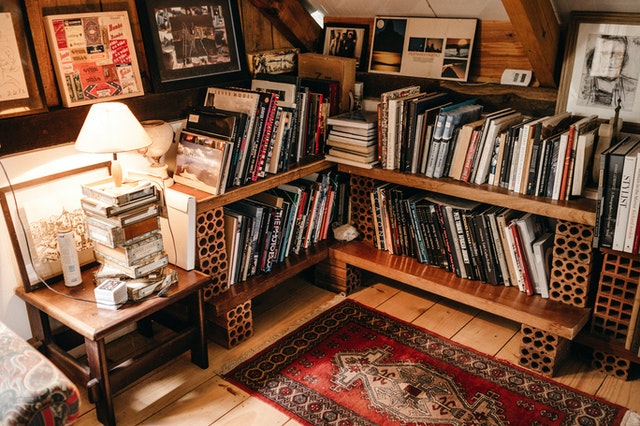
<point>601,66</point>
<point>192,44</point>
<point>437,48</point>
<point>94,57</point>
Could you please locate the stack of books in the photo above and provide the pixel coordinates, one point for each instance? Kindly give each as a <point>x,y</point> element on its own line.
<point>124,224</point>
<point>353,138</point>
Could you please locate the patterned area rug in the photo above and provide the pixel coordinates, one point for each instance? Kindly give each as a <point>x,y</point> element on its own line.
<point>355,366</point>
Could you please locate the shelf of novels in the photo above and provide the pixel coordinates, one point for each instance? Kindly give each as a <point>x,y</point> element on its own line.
<point>206,202</point>
<point>507,302</point>
<point>229,306</point>
<point>581,210</point>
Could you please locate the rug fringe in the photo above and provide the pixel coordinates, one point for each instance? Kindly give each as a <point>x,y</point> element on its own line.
<point>631,418</point>
<point>246,355</point>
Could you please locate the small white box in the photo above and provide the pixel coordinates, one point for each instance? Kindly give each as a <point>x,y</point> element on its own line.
<point>111,292</point>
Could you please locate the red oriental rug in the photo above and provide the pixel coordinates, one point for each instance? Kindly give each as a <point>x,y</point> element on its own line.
<point>352,365</point>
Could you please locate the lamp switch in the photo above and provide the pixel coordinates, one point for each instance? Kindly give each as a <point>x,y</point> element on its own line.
<point>516,77</point>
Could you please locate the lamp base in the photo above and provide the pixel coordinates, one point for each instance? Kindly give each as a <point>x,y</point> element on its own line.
<point>160,170</point>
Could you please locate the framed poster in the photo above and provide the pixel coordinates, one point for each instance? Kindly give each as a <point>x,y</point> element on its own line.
<point>348,40</point>
<point>20,87</point>
<point>94,57</point>
<point>437,48</point>
<point>35,210</point>
<point>601,66</point>
<point>192,44</point>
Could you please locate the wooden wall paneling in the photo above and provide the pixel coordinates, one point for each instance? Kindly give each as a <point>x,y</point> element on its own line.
<point>257,30</point>
<point>293,21</point>
<point>538,30</point>
<point>496,48</point>
<point>39,38</point>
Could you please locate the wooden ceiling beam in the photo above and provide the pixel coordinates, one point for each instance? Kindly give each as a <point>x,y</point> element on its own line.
<point>537,28</point>
<point>293,21</point>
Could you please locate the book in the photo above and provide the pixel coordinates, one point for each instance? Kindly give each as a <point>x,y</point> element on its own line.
<point>355,120</point>
<point>202,161</point>
<point>634,211</point>
<point>530,228</point>
<point>350,162</point>
<point>353,155</point>
<point>114,236</point>
<point>455,118</point>
<point>395,125</point>
<point>462,147</point>
<point>580,126</point>
<point>240,101</point>
<point>132,253</point>
<point>502,219</point>
<point>130,217</point>
<point>98,208</point>
<point>525,277</point>
<point>362,149</point>
<point>624,198</point>
<point>543,255</point>
<point>138,270</point>
<point>353,139</point>
<point>584,152</point>
<point>482,136</point>
<point>493,126</point>
<point>612,187</point>
<point>106,192</point>
<point>255,211</point>
<point>383,118</point>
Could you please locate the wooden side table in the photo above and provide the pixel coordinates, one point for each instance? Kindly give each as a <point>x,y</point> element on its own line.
<point>181,312</point>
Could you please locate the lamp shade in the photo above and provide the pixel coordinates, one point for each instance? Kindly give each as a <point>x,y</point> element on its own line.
<point>111,127</point>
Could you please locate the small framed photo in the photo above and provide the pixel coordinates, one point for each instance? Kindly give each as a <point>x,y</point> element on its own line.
<point>192,44</point>
<point>601,66</point>
<point>21,90</point>
<point>35,210</point>
<point>438,48</point>
<point>347,40</point>
<point>94,57</point>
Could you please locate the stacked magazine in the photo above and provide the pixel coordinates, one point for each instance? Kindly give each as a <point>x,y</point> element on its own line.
<point>353,138</point>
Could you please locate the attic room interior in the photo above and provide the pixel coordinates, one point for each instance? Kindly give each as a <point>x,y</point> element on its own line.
<point>319,212</point>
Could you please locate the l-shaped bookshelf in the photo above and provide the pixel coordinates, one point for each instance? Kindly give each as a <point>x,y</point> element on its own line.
<point>509,302</point>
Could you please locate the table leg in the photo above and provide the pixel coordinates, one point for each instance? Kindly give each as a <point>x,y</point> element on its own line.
<point>99,377</point>
<point>199,353</point>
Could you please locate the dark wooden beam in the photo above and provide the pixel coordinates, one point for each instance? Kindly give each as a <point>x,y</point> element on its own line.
<point>537,28</point>
<point>292,20</point>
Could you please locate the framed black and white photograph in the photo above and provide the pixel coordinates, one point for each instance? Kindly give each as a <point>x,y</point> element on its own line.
<point>192,44</point>
<point>20,86</point>
<point>601,66</point>
<point>437,48</point>
<point>347,40</point>
<point>35,210</point>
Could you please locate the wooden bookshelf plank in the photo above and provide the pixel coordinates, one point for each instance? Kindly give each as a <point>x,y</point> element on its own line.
<point>294,264</point>
<point>508,302</point>
<point>580,210</point>
<point>206,202</point>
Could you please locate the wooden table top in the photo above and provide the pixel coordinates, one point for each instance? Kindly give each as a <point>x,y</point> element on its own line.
<point>84,316</point>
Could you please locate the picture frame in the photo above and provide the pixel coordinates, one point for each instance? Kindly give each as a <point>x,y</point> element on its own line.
<point>192,45</point>
<point>36,209</point>
<point>438,48</point>
<point>350,40</point>
<point>94,57</point>
<point>21,91</point>
<point>601,65</point>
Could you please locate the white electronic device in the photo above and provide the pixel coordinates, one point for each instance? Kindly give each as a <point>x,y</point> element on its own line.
<point>516,77</point>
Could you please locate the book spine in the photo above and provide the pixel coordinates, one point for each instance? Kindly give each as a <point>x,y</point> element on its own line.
<point>614,166</point>
<point>265,141</point>
<point>521,259</point>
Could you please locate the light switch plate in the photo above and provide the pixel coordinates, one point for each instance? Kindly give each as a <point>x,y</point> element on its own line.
<point>516,77</point>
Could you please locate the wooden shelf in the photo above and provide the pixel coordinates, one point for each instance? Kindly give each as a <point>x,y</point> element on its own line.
<point>601,344</point>
<point>579,211</point>
<point>206,202</point>
<point>294,264</point>
<point>508,302</point>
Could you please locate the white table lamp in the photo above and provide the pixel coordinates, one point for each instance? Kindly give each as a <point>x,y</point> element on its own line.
<point>111,127</point>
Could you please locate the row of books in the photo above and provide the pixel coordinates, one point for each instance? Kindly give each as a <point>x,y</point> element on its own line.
<point>353,138</point>
<point>239,135</point>
<point>430,134</point>
<point>124,225</point>
<point>618,197</point>
<point>264,229</point>
<point>496,245</point>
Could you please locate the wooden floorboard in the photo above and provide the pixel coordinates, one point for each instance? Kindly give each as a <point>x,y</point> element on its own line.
<point>183,394</point>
